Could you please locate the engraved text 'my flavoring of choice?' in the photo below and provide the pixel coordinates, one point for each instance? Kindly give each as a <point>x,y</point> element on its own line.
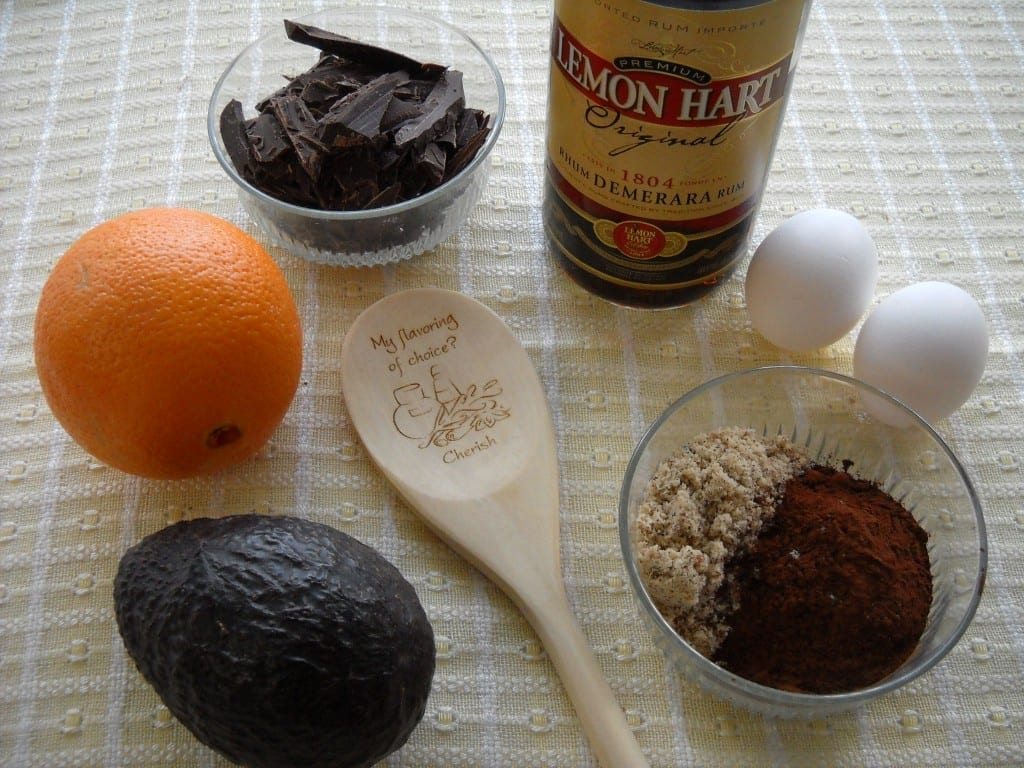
<point>427,338</point>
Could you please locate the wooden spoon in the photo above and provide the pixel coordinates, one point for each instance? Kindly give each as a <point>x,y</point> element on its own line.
<point>449,406</point>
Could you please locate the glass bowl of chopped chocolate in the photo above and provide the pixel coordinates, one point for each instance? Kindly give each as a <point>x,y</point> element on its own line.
<point>793,552</point>
<point>358,136</point>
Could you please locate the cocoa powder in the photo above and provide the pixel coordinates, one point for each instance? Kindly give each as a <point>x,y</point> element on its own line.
<point>836,591</point>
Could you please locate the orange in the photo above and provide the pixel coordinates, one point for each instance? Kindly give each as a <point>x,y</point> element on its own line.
<point>167,343</point>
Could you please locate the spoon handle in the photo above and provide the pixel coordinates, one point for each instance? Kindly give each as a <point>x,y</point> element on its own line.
<point>596,707</point>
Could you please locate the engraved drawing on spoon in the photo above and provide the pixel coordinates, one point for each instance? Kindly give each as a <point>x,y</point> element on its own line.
<point>444,411</point>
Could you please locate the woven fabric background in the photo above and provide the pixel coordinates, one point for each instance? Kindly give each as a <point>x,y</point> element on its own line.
<point>907,113</point>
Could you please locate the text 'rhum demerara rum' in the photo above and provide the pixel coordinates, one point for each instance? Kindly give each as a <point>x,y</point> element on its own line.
<point>662,121</point>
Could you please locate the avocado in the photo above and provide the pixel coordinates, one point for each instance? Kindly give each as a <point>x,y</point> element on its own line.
<point>277,641</point>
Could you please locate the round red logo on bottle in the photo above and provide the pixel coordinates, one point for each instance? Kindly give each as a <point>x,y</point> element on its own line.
<point>638,239</point>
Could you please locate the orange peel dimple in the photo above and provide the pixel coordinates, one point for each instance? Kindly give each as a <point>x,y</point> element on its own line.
<point>223,435</point>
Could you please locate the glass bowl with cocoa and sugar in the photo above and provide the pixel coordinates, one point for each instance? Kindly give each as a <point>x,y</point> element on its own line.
<point>358,136</point>
<point>791,551</point>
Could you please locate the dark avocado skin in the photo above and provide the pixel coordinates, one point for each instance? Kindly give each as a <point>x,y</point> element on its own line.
<point>277,641</point>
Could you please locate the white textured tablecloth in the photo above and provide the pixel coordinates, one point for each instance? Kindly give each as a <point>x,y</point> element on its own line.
<point>907,113</point>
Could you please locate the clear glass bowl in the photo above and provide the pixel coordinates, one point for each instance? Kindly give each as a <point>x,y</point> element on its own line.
<point>389,233</point>
<point>831,414</point>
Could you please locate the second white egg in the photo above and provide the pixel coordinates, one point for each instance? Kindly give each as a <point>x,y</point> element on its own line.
<point>811,279</point>
<point>927,345</point>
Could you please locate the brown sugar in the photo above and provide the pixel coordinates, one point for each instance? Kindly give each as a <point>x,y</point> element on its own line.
<point>705,504</point>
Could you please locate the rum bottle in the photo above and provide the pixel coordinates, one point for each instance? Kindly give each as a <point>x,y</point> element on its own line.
<point>663,117</point>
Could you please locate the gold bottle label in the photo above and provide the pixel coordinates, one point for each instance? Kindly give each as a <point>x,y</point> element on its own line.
<point>661,128</point>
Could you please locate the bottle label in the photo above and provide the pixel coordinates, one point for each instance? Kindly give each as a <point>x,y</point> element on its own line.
<point>661,128</point>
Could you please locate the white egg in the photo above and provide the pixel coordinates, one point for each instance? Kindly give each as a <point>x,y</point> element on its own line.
<point>926,345</point>
<point>811,279</point>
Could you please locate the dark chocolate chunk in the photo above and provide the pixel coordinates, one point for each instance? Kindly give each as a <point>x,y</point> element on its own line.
<point>267,138</point>
<point>416,90</point>
<point>399,111</point>
<point>437,114</point>
<point>381,59</point>
<point>360,113</point>
<point>300,126</point>
<point>470,121</point>
<point>431,164</point>
<point>325,81</point>
<point>236,138</point>
<point>363,127</point>
<point>466,152</point>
